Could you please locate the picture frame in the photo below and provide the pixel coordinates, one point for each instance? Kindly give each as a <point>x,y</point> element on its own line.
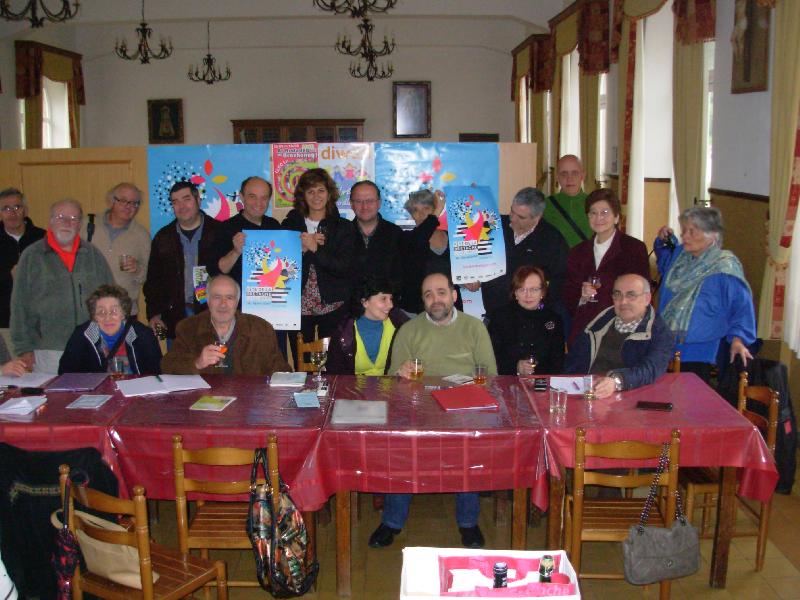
<point>750,47</point>
<point>165,121</point>
<point>411,109</point>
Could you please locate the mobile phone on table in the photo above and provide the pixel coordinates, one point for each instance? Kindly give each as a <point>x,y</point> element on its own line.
<point>540,384</point>
<point>32,391</point>
<point>649,405</point>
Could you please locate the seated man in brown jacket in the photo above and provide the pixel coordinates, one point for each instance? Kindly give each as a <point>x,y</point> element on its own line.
<point>222,340</point>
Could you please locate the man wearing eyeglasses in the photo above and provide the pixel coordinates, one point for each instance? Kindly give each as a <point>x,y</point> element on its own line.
<point>124,243</point>
<point>54,278</point>
<point>628,345</point>
<point>17,233</point>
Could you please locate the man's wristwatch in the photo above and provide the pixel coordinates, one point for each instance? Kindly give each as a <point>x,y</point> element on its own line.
<point>619,382</point>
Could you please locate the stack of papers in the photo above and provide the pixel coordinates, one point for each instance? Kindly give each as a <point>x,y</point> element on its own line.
<point>77,382</point>
<point>286,379</point>
<point>161,384</point>
<point>22,406</point>
<point>90,401</point>
<point>359,412</point>
<point>571,385</point>
<point>212,403</point>
<point>27,380</point>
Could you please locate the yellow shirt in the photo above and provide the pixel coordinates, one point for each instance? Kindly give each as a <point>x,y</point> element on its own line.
<point>363,364</point>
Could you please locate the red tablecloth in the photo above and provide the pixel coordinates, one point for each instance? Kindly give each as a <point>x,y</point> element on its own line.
<point>142,435</point>
<point>713,433</point>
<point>53,427</point>
<point>423,448</point>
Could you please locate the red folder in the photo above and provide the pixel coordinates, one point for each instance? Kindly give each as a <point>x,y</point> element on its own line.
<point>465,397</point>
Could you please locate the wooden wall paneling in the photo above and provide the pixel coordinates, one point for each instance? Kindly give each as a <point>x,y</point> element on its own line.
<point>517,170</point>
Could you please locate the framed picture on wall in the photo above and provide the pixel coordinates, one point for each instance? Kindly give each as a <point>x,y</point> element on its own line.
<point>411,106</point>
<point>750,41</point>
<point>165,121</point>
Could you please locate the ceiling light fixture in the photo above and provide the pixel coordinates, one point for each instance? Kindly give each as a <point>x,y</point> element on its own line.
<point>31,9</point>
<point>143,51</point>
<point>211,74</point>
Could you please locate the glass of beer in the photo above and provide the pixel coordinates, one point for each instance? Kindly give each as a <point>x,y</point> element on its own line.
<point>123,261</point>
<point>479,374</point>
<point>417,369</point>
<point>588,387</point>
<point>117,367</point>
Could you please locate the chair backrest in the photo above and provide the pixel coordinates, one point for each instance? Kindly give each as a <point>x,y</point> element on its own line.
<point>675,364</point>
<point>304,348</point>
<point>136,509</point>
<point>625,450</point>
<point>767,397</point>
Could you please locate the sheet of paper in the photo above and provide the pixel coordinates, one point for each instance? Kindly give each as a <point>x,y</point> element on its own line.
<point>90,401</point>
<point>141,386</point>
<point>458,379</point>
<point>359,412</point>
<point>22,405</point>
<point>27,380</point>
<point>571,385</point>
<point>306,399</point>
<point>286,379</point>
<point>178,383</point>
<point>212,403</point>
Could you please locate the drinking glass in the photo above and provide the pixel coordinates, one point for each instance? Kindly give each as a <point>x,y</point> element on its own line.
<point>318,359</point>
<point>479,374</point>
<point>117,367</point>
<point>123,261</point>
<point>588,387</point>
<point>222,347</point>
<point>417,369</point>
<point>595,282</point>
<point>558,401</point>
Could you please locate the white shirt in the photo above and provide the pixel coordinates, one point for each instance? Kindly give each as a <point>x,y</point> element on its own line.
<point>601,249</point>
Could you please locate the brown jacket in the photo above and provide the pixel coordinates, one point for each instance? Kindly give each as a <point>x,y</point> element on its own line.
<point>254,350</point>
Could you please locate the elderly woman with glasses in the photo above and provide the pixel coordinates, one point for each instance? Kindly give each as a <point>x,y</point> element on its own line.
<point>704,296</point>
<point>111,341</point>
<point>526,336</point>
<point>594,264</point>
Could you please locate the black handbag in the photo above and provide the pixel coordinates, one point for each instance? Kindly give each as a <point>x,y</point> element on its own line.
<point>284,564</point>
<point>652,554</point>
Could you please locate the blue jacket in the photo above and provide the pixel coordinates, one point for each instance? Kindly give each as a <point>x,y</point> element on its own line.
<point>84,353</point>
<point>723,310</point>
<point>645,353</point>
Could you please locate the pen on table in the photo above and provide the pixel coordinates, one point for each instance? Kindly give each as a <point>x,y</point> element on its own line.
<point>159,378</point>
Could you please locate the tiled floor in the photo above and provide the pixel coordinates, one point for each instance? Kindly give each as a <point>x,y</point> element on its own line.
<point>376,573</point>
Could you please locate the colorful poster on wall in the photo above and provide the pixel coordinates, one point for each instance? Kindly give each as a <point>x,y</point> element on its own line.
<point>289,162</point>
<point>217,170</point>
<point>271,277</point>
<point>347,164</point>
<point>477,250</point>
<point>401,168</point>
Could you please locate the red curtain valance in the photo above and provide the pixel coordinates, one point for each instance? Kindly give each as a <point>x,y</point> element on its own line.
<point>542,63</point>
<point>593,37</point>
<point>695,20</point>
<point>29,59</point>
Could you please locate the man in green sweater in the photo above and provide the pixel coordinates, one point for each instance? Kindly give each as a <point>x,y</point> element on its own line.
<point>570,199</point>
<point>449,342</point>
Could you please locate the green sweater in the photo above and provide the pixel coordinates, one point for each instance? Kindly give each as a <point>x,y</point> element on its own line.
<point>574,205</point>
<point>444,349</point>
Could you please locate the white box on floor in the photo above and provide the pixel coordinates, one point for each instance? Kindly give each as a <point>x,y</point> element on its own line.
<point>428,572</point>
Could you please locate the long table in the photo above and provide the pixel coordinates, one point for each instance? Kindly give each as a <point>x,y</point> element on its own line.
<point>713,434</point>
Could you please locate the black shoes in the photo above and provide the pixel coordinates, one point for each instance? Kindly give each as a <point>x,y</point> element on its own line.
<point>471,537</point>
<point>384,536</point>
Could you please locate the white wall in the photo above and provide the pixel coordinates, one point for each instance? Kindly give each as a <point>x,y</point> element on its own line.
<point>658,93</point>
<point>741,122</point>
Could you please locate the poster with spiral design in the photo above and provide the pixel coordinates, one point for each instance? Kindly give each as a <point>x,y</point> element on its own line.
<point>289,162</point>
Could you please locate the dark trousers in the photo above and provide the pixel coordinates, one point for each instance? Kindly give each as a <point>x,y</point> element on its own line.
<point>701,369</point>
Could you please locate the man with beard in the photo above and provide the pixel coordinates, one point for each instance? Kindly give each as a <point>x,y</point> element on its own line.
<point>54,278</point>
<point>449,342</point>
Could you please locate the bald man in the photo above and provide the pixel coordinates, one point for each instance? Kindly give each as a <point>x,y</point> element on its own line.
<point>566,210</point>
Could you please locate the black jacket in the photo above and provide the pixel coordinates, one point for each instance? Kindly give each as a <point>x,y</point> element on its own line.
<point>342,349</point>
<point>331,261</point>
<point>382,257</point>
<point>163,289</point>
<point>418,261</point>
<point>514,330</point>
<point>84,353</point>
<point>545,248</point>
<point>10,251</point>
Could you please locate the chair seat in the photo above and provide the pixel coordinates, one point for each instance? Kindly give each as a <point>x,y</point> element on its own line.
<point>608,519</point>
<point>219,525</point>
<point>707,477</point>
<point>179,575</point>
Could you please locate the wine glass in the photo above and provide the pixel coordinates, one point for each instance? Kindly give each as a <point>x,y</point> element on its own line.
<point>222,347</point>
<point>595,282</point>
<point>532,362</point>
<point>318,359</point>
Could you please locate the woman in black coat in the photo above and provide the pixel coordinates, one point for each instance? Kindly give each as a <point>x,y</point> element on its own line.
<point>525,328</point>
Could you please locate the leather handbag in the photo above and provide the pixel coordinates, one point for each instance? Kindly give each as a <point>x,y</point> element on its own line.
<point>285,566</point>
<point>652,554</point>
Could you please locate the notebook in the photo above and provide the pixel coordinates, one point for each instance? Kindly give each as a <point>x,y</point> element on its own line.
<point>465,397</point>
<point>212,403</point>
<point>359,412</point>
<point>76,382</point>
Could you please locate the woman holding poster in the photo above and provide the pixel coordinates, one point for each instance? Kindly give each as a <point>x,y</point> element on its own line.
<point>327,244</point>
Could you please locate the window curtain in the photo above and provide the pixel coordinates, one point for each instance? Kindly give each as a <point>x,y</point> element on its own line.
<point>35,60</point>
<point>542,65</point>
<point>565,38</point>
<point>779,313</point>
<point>694,24</point>
<point>594,53</point>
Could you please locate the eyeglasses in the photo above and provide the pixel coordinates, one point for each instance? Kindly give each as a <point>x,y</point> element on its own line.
<point>12,208</point>
<point>130,203</point>
<point>617,295</point>
<point>593,214</point>
<point>114,312</point>
<point>525,291</point>
<point>66,219</point>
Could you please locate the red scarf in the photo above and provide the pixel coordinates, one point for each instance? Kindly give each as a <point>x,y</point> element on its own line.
<point>66,256</point>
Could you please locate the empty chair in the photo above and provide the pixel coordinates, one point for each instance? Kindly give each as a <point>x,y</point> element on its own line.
<point>304,348</point>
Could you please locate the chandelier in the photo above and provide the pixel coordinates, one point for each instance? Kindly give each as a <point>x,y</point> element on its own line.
<point>143,51</point>
<point>211,74</point>
<point>367,65</point>
<point>30,11</point>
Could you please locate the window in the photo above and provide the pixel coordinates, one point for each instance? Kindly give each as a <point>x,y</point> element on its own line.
<point>55,114</point>
<point>708,112</point>
<point>602,128</point>
<point>570,106</point>
<point>524,110</point>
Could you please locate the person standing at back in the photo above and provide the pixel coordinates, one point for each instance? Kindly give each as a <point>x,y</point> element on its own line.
<point>565,210</point>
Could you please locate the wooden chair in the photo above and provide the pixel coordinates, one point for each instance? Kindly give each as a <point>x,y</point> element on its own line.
<point>608,519</point>
<point>179,575</point>
<point>675,364</point>
<point>705,482</point>
<point>304,348</point>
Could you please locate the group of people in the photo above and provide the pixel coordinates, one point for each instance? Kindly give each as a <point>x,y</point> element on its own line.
<point>576,296</point>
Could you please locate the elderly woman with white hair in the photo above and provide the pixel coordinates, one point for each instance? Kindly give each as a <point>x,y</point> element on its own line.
<point>704,297</point>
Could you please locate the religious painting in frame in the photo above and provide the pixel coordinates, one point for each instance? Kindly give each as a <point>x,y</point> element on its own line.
<point>750,41</point>
<point>165,121</point>
<point>411,107</point>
